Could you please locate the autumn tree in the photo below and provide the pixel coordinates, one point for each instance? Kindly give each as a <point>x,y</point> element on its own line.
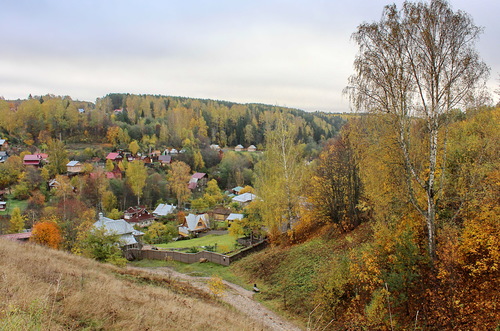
<point>58,158</point>
<point>133,147</point>
<point>159,233</point>
<point>334,190</point>
<point>136,177</point>
<point>47,233</point>
<point>178,177</point>
<point>17,221</point>
<point>417,64</point>
<point>279,177</point>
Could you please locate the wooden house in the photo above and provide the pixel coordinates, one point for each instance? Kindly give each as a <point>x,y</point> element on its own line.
<point>194,224</point>
<point>74,167</point>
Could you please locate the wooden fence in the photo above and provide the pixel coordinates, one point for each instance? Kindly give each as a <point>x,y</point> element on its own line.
<point>222,259</point>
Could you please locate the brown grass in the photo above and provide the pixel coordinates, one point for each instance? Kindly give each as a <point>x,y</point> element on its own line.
<point>53,290</point>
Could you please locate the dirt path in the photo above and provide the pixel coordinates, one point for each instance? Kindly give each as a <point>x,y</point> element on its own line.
<point>241,299</point>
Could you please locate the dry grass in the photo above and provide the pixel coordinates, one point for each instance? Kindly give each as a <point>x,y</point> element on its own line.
<point>53,290</point>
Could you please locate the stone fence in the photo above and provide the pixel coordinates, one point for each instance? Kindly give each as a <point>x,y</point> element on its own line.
<point>150,254</point>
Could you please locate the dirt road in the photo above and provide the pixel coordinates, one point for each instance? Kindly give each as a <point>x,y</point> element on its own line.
<point>241,299</point>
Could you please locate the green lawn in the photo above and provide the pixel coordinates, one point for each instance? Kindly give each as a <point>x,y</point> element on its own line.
<point>11,204</point>
<point>225,243</point>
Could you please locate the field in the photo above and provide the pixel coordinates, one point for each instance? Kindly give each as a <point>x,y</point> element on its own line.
<point>225,243</point>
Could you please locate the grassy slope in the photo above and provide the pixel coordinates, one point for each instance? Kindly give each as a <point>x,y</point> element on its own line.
<point>52,290</point>
<point>289,277</point>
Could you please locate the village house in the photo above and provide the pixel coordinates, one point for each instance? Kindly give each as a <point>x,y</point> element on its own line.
<point>138,216</point>
<point>194,224</point>
<point>220,213</point>
<point>129,237</point>
<point>114,156</point>
<point>19,237</point>
<point>236,190</point>
<point>3,156</point>
<point>74,167</point>
<point>238,148</point>
<point>251,148</point>
<point>198,181</point>
<point>3,144</point>
<point>244,199</point>
<point>163,209</point>
<point>3,205</point>
<point>33,160</point>
<point>233,217</point>
<point>164,159</point>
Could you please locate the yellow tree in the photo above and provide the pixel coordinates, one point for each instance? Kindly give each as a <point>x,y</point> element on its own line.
<point>133,147</point>
<point>136,177</point>
<point>17,221</point>
<point>178,177</point>
<point>279,179</point>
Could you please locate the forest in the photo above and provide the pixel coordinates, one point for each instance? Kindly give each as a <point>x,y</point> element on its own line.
<point>383,219</point>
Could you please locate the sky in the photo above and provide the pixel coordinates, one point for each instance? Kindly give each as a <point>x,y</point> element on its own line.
<point>288,53</point>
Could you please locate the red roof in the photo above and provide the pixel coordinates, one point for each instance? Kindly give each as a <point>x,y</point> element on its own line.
<point>113,156</point>
<point>192,185</point>
<point>17,236</point>
<point>32,157</point>
<point>198,175</point>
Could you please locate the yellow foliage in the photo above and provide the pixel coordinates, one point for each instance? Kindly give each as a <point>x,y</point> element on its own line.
<point>216,285</point>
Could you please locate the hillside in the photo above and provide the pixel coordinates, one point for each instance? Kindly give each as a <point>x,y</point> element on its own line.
<point>53,290</point>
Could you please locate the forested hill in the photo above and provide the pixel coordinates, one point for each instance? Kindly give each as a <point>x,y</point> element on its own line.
<point>156,120</point>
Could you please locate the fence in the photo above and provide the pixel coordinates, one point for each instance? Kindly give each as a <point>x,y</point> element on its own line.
<point>222,259</point>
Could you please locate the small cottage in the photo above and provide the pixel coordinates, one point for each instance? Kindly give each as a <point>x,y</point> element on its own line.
<point>244,199</point>
<point>74,167</point>
<point>163,209</point>
<point>194,224</point>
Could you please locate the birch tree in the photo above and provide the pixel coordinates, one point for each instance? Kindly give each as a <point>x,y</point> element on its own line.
<point>417,64</point>
<point>279,177</point>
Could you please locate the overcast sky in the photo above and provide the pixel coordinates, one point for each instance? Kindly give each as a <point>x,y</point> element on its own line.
<point>288,53</point>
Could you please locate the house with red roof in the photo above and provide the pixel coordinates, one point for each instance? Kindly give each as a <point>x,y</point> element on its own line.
<point>138,216</point>
<point>23,236</point>
<point>32,160</point>
<point>114,156</point>
<point>198,181</point>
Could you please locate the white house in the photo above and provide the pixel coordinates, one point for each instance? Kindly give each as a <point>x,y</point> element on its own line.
<point>128,235</point>
<point>163,209</point>
<point>233,217</point>
<point>244,199</point>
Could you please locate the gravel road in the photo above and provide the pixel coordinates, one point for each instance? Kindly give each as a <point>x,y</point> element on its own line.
<point>241,299</point>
